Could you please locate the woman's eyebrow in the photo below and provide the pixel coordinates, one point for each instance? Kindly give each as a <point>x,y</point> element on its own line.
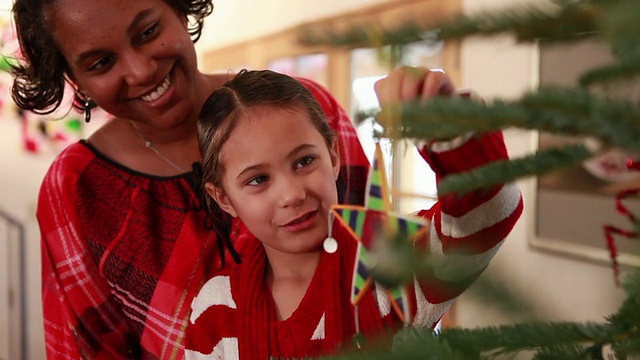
<point>94,52</point>
<point>139,18</point>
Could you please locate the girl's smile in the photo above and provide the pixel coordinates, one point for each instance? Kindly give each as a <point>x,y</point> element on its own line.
<point>301,223</point>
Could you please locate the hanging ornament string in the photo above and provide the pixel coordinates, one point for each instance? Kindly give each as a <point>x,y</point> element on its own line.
<point>330,244</point>
<point>150,146</point>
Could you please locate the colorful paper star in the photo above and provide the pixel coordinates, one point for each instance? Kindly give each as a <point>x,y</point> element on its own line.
<point>374,222</point>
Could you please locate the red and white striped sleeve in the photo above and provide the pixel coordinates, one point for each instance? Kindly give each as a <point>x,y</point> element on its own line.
<point>466,229</point>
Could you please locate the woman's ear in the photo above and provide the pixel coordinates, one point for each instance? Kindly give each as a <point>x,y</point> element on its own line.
<point>335,158</point>
<point>221,198</point>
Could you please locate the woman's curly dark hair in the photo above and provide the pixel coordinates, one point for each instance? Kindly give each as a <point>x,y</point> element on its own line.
<point>39,78</point>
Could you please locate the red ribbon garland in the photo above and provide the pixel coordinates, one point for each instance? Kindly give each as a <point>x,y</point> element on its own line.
<point>609,230</point>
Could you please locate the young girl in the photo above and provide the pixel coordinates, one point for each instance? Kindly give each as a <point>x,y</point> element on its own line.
<point>271,160</point>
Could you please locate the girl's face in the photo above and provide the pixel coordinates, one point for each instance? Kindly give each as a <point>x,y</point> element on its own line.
<point>133,57</point>
<point>279,178</point>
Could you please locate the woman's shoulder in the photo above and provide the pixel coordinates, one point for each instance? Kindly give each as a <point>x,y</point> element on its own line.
<point>71,162</point>
<point>75,152</point>
<point>60,181</point>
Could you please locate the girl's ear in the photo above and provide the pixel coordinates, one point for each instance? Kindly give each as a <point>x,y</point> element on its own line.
<point>335,158</point>
<point>221,198</point>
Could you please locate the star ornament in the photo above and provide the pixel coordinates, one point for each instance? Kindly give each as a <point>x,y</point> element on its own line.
<point>375,222</point>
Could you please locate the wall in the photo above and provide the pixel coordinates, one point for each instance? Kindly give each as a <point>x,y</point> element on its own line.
<point>19,183</point>
<point>563,289</point>
<point>228,22</point>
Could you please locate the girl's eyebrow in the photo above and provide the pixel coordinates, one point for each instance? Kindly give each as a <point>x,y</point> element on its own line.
<point>248,169</point>
<point>258,166</point>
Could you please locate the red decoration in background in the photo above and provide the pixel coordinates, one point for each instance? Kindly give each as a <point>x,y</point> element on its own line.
<point>610,230</point>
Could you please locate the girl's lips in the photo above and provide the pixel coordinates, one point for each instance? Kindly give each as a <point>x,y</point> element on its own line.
<point>302,223</point>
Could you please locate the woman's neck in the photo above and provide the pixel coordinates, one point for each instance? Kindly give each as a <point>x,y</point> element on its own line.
<point>137,147</point>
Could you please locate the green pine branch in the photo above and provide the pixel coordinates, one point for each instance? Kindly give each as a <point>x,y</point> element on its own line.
<point>573,340</point>
<point>501,172</point>
<point>545,340</point>
<point>620,28</point>
<point>564,21</point>
<point>556,110</point>
<point>622,70</point>
<point>567,21</point>
<point>573,112</point>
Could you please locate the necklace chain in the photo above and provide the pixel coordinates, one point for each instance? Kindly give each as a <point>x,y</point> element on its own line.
<point>149,145</point>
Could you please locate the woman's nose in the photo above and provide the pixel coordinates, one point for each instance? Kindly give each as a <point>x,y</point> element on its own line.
<point>138,68</point>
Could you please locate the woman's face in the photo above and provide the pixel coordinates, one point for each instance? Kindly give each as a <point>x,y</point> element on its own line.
<point>134,58</point>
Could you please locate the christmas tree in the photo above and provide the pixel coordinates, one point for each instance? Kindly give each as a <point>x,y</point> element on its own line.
<point>570,111</point>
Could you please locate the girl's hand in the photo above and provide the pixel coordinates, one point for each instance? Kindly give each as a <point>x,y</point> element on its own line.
<point>409,83</point>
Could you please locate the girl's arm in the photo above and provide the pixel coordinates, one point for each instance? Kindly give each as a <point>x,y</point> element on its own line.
<point>466,230</point>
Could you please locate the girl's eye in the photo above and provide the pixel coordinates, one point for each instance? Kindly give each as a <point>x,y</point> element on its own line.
<point>305,161</point>
<point>257,180</point>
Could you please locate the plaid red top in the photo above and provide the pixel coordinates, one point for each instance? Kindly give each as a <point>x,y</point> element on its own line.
<point>124,253</point>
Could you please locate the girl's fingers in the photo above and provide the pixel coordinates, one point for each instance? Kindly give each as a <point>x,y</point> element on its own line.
<point>407,83</point>
<point>436,83</point>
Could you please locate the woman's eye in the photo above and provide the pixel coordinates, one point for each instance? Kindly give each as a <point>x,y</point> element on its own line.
<point>149,32</point>
<point>101,63</point>
<point>257,180</point>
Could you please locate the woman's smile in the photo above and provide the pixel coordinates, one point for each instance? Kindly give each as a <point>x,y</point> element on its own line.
<point>159,91</point>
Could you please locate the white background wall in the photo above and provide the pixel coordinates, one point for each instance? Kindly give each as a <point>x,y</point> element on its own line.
<point>564,289</point>
<point>237,20</point>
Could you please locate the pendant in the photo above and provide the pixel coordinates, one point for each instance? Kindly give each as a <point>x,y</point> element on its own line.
<point>330,245</point>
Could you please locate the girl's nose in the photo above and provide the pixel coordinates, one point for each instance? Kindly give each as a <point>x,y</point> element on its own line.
<point>292,192</point>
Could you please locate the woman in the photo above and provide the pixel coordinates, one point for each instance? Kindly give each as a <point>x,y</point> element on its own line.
<point>125,240</point>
